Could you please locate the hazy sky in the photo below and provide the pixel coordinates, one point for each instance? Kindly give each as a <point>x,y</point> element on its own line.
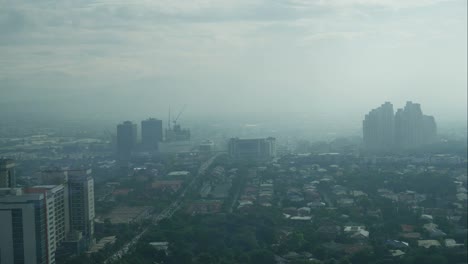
<point>325,58</point>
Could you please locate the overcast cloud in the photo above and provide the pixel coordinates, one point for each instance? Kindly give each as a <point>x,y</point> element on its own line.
<point>326,58</point>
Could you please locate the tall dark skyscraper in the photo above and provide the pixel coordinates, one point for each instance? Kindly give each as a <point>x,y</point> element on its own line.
<point>408,128</point>
<point>126,139</point>
<point>378,128</point>
<point>151,133</point>
<point>81,199</point>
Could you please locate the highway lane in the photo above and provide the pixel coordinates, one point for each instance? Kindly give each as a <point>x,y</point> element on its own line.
<point>166,213</point>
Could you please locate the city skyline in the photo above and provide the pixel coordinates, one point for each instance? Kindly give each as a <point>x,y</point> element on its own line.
<point>233,131</point>
<point>386,130</point>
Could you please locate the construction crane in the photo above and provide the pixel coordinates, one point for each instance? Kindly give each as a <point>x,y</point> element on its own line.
<point>180,113</point>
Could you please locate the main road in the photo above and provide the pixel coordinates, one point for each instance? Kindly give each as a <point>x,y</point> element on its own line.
<point>166,213</point>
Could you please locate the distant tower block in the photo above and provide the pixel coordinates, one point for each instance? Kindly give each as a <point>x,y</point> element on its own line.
<point>126,139</point>
<point>151,133</point>
<point>258,149</point>
<point>407,128</point>
<point>378,128</point>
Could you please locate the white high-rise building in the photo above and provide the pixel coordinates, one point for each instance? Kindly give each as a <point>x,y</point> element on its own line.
<point>26,228</point>
<point>74,192</point>
<point>59,196</point>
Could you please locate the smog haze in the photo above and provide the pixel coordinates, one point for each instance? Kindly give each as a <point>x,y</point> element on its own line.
<point>294,58</point>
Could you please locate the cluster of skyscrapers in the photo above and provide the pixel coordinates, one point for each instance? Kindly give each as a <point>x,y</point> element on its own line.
<point>38,222</point>
<point>127,133</point>
<point>384,130</point>
<point>259,149</point>
<point>151,136</point>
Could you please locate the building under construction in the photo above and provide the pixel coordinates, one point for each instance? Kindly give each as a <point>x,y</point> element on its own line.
<point>176,132</point>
